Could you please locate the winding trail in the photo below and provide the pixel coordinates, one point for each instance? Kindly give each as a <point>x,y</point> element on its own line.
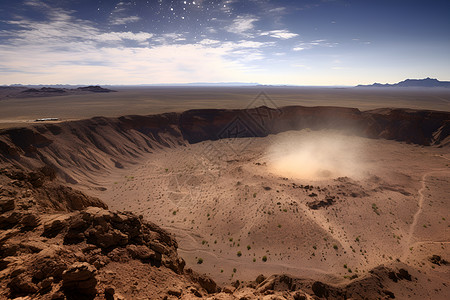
<point>413,226</point>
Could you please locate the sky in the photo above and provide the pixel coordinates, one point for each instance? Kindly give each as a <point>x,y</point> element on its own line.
<point>280,42</point>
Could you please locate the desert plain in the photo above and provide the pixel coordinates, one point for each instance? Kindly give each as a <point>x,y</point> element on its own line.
<point>20,110</point>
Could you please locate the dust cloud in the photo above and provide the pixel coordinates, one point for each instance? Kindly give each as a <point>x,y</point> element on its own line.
<point>317,155</point>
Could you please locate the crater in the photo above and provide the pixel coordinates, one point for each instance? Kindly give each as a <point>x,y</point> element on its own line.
<point>295,194</point>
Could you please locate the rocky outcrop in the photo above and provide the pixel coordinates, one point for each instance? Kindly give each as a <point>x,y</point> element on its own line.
<point>329,200</point>
<point>67,255</point>
<point>36,191</point>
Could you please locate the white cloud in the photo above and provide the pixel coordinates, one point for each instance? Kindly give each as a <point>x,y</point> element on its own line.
<point>168,38</point>
<point>315,43</point>
<point>277,10</point>
<point>70,50</point>
<point>242,24</point>
<point>119,36</point>
<point>209,42</point>
<point>124,20</point>
<point>280,34</point>
<point>122,65</point>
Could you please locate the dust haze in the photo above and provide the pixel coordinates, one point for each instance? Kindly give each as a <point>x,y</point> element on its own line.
<point>317,156</point>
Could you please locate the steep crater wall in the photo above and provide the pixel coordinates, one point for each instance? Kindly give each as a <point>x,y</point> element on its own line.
<point>84,150</point>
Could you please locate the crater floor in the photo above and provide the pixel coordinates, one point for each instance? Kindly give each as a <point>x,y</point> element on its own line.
<point>355,203</point>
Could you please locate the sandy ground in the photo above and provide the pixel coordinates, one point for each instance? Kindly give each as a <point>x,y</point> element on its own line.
<point>153,100</point>
<point>233,203</point>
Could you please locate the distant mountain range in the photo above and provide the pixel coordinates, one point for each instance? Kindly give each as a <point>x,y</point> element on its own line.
<point>21,91</point>
<point>195,84</point>
<point>427,83</point>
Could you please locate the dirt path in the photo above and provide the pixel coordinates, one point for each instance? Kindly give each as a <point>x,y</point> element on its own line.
<point>421,201</point>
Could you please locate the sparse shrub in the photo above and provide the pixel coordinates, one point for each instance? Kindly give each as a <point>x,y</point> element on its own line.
<point>248,247</point>
<point>264,258</point>
<point>345,266</point>
<point>315,247</point>
<point>174,212</point>
<point>199,261</point>
<point>375,209</point>
<point>335,247</point>
<point>234,270</point>
<point>254,260</point>
<point>239,253</point>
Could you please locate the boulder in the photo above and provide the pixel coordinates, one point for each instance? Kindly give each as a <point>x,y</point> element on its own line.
<point>260,278</point>
<point>29,221</point>
<point>7,205</point>
<point>109,293</point>
<point>141,252</point>
<point>9,220</point>
<point>320,289</point>
<point>54,227</point>
<point>21,286</point>
<point>80,279</point>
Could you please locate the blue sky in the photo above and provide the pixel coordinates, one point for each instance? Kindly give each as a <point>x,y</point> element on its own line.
<point>314,42</point>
